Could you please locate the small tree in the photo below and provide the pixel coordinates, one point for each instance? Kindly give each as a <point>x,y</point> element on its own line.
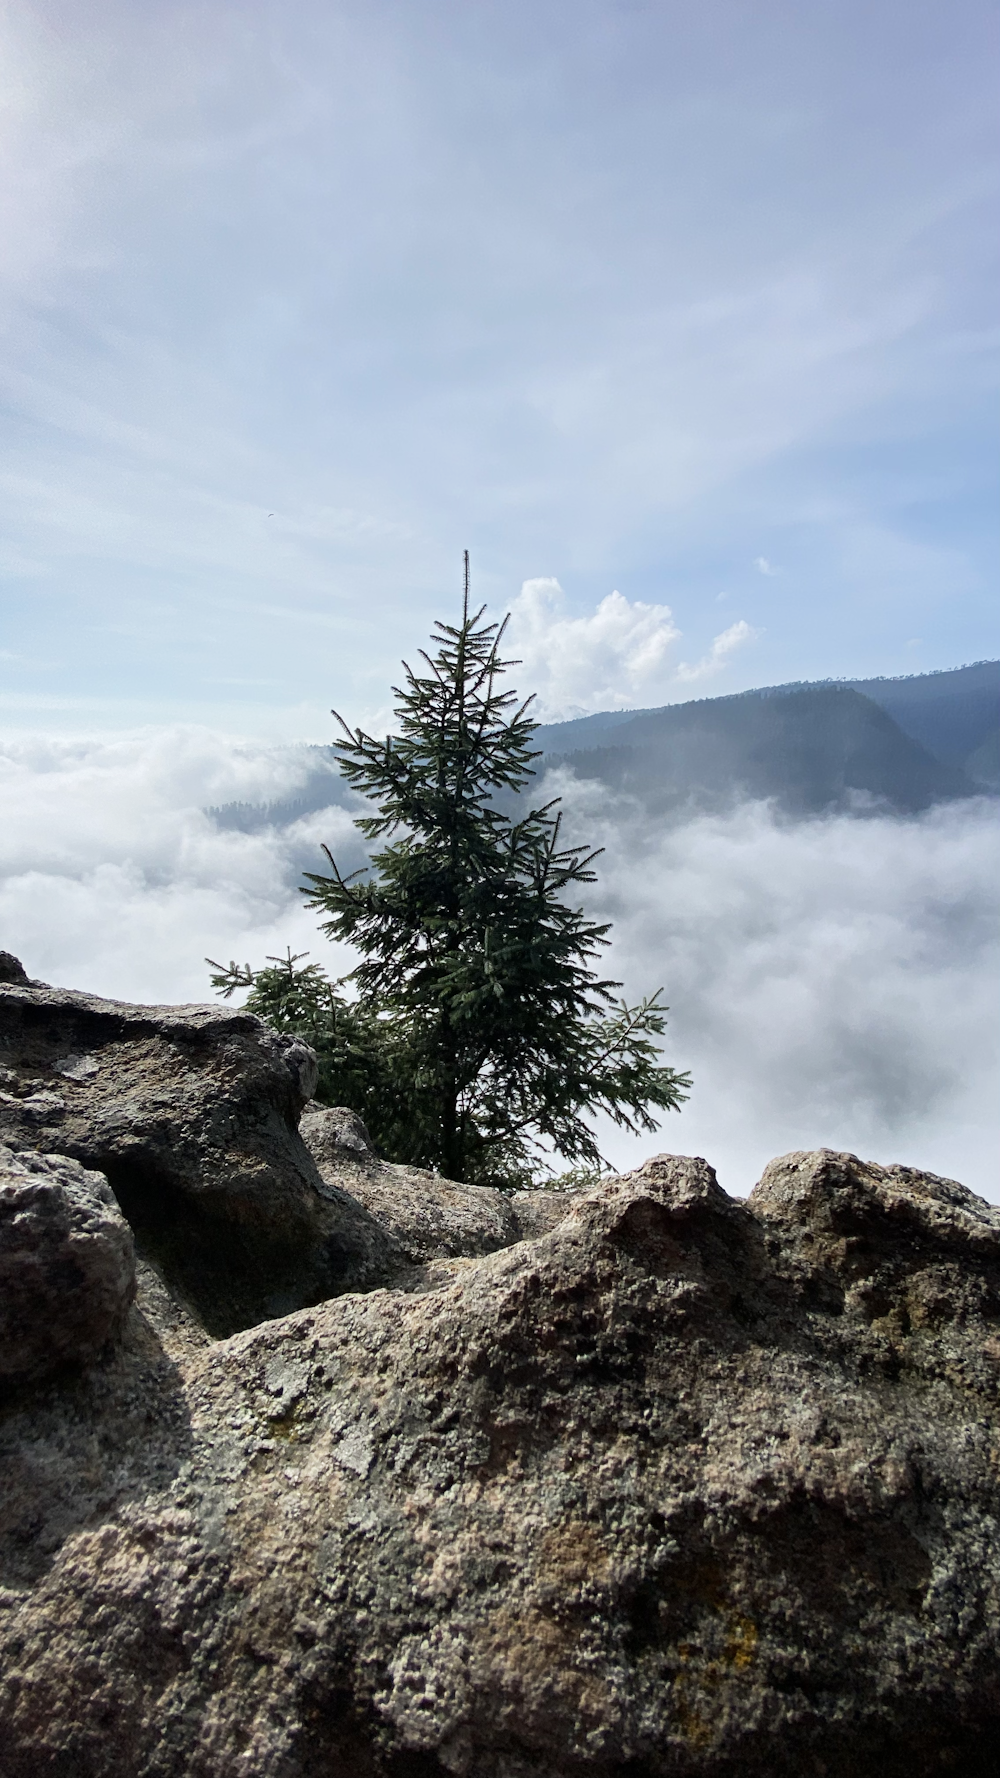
<point>364,1058</point>
<point>476,990</point>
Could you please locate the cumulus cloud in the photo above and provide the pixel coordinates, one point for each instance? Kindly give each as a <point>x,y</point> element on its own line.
<point>608,661</point>
<point>617,658</point>
<point>830,981</point>
<point>718,655</point>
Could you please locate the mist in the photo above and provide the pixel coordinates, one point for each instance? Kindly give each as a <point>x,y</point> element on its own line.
<point>831,981</point>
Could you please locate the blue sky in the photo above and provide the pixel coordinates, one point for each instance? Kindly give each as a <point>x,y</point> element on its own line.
<point>691,305</point>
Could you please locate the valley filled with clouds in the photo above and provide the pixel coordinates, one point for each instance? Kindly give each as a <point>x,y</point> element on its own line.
<point>831,980</point>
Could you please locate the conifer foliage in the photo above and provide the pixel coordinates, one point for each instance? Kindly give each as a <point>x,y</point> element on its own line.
<point>481,1035</point>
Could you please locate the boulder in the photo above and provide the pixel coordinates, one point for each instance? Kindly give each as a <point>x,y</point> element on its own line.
<point>67,1265</point>
<point>192,1114</point>
<point>428,1217</point>
<point>682,1487</point>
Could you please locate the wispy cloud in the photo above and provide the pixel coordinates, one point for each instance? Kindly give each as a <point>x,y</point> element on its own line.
<point>718,656</point>
<point>601,297</point>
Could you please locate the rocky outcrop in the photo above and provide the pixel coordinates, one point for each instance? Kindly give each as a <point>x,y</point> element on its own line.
<point>428,1217</point>
<point>683,1486</point>
<point>191,1112</point>
<point>67,1265</point>
<point>12,969</point>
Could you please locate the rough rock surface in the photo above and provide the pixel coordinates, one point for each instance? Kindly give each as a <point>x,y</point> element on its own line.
<point>192,1113</point>
<point>67,1265</point>
<point>428,1217</point>
<point>12,969</point>
<point>684,1486</point>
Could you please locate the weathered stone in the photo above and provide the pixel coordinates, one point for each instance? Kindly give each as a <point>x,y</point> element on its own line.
<point>67,1265</point>
<point>663,1492</point>
<point>11,968</point>
<point>428,1217</point>
<point>192,1113</point>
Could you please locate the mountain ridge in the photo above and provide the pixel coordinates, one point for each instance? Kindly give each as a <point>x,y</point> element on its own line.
<point>900,744</point>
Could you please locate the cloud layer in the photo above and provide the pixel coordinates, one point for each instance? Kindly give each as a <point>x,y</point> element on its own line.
<point>115,879</point>
<point>831,982</point>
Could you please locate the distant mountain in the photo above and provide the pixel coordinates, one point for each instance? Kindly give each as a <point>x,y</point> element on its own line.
<point>853,745</point>
<point>898,743</point>
<point>951,713</point>
<point>955,715</point>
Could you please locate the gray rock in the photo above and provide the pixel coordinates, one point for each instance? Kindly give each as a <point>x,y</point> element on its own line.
<point>11,968</point>
<point>427,1217</point>
<point>192,1113</point>
<point>67,1265</point>
<point>683,1487</point>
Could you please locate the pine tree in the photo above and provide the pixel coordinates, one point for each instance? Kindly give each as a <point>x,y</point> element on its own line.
<point>364,1059</point>
<point>476,972</point>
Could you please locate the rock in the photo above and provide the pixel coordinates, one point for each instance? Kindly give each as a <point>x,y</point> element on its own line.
<point>67,1265</point>
<point>11,968</point>
<point>192,1114</point>
<point>671,1490</point>
<point>428,1217</point>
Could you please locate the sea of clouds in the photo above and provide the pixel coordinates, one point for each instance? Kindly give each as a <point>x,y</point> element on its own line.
<point>830,981</point>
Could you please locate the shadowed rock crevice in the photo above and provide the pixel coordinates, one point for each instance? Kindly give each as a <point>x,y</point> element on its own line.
<point>230,1276</point>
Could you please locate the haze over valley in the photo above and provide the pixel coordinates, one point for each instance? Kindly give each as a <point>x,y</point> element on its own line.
<point>828,942</point>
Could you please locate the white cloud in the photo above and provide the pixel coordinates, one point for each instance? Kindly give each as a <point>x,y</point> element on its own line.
<point>115,880</point>
<point>830,981</point>
<point>659,308</point>
<point>618,658</point>
<point>762,565</point>
<point>612,660</point>
<point>718,655</point>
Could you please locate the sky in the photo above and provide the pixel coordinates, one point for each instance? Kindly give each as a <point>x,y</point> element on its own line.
<point>681,319</point>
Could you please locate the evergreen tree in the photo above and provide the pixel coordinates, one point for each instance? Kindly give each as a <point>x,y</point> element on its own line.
<point>486,1033</point>
<point>364,1059</point>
